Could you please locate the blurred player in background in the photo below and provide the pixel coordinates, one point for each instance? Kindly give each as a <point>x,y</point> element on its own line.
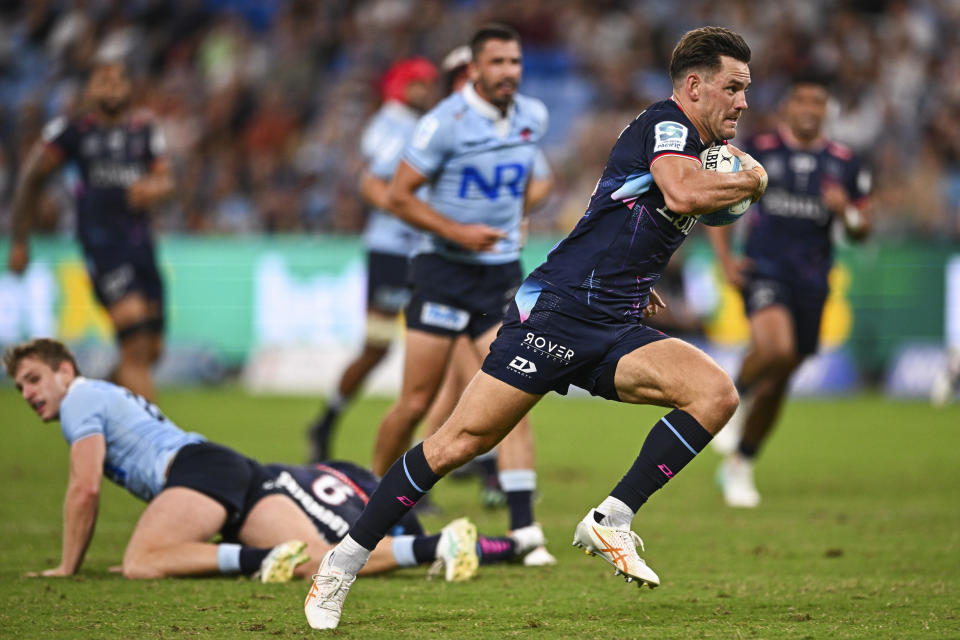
<point>206,488</point>
<point>476,150</point>
<point>119,154</point>
<point>465,360</point>
<point>577,319</point>
<point>782,275</point>
<point>409,90</point>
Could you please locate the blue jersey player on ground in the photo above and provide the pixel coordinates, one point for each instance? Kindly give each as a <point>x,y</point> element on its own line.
<point>119,157</point>
<point>578,320</point>
<point>272,518</point>
<point>475,151</point>
<point>782,275</point>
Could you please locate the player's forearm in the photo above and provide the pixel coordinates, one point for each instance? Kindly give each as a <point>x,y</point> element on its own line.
<point>150,191</point>
<point>710,191</point>
<point>25,200</point>
<point>537,192</point>
<point>79,520</point>
<point>720,241</point>
<point>375,191</point>
<point>416,212</point>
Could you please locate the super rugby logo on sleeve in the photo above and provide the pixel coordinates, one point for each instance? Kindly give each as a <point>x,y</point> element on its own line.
<point>670,136</point>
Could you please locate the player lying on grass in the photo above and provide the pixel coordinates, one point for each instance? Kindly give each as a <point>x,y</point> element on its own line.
<point>268,528</point>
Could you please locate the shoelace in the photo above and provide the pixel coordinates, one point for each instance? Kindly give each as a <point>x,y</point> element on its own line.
<point>628,536</point>
<point>336,594</point>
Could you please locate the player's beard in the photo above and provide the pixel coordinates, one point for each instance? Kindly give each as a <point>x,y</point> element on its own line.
<point>113,107</point>
<point>490,91</point>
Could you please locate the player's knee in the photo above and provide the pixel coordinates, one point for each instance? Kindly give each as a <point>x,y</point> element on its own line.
<point>462,450</point>
<point>139,569</point>
<point>779,359</point>
<point>725,399</point>
<point>416,405</point>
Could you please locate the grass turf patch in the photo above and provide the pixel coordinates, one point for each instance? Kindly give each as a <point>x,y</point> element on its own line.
<point>857,535</point>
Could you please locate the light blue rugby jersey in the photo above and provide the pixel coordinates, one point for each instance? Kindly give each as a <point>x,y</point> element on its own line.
<point>382,145</point>
<point>140,440</point>
<point>478,163</point>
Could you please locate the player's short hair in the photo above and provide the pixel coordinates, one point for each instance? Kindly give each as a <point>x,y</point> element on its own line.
<point>810,77</point>
<point>47,350</point>
<point>492,31</point>
<point>702,48</point>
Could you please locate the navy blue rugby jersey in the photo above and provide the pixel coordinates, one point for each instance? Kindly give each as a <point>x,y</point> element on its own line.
<point>623,242</point>
<point>332,494</point>
<point>109,158</point>
<point>789,229</point>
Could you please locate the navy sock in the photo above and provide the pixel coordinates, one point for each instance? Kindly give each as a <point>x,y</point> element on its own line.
<point>425,548</point>
<point>520,504</point>
<point>673,442</point>
<point>488,466</point>
<point>494,550</point>
<point>405,482</point>
<point>251,558</point>
<point>747,450</point>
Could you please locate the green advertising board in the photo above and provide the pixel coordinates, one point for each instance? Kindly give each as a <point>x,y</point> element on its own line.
<point>239,293</point>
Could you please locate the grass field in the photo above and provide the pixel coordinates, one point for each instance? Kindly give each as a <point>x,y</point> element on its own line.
<point>858,535</point>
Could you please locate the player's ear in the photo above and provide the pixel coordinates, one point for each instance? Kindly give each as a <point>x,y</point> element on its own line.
<point>693,85</point>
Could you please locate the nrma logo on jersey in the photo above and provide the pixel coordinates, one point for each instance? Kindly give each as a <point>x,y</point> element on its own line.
<point>510,175</point>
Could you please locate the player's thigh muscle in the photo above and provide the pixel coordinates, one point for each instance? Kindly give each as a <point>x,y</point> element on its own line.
<point>176,515</point>
<point>274,519</point>
<point>772,332</point>
<point>425,361</point>
<point>130,309</point>
<point>670,373</point>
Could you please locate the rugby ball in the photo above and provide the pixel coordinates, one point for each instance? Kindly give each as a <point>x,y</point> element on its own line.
<point>720,159</point>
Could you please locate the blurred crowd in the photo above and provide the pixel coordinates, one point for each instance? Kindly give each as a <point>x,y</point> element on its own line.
<point>262,103</point>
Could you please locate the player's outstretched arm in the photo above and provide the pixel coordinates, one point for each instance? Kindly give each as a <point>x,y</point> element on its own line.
<point>689,190</point>
<point>41,162</point>
<point>408,207</point>
<point>80,504</point>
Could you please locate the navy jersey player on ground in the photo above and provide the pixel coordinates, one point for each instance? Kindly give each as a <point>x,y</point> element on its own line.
<point>783,272</point>
<point>268,525</point>
<point>476,150</point>
<point>119,157</point>
<point>578,320</point>
<point>409,89</point>
<point>333,494</point>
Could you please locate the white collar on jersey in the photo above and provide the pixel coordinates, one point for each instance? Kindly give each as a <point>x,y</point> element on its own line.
<point>501,122</point>
<point>400,110</point>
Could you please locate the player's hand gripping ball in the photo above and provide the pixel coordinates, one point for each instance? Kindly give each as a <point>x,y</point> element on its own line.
<point>720,159</point>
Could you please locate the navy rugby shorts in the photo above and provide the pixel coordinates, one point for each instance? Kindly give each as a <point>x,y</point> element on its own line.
<point>804,306</point>
<point>453,298</point>
<point>549,342</point>
<point>119,271</point>
<point>388,289</point>
<point>218,472</point>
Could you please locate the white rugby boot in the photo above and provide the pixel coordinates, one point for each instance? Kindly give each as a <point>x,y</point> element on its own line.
<point>280,563</point>
<point>735,476</point>
<point>457,551</point>
<point>324,603</point>
<point>616,545</point>
<point>726,441</point>
<point>532,545</point>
